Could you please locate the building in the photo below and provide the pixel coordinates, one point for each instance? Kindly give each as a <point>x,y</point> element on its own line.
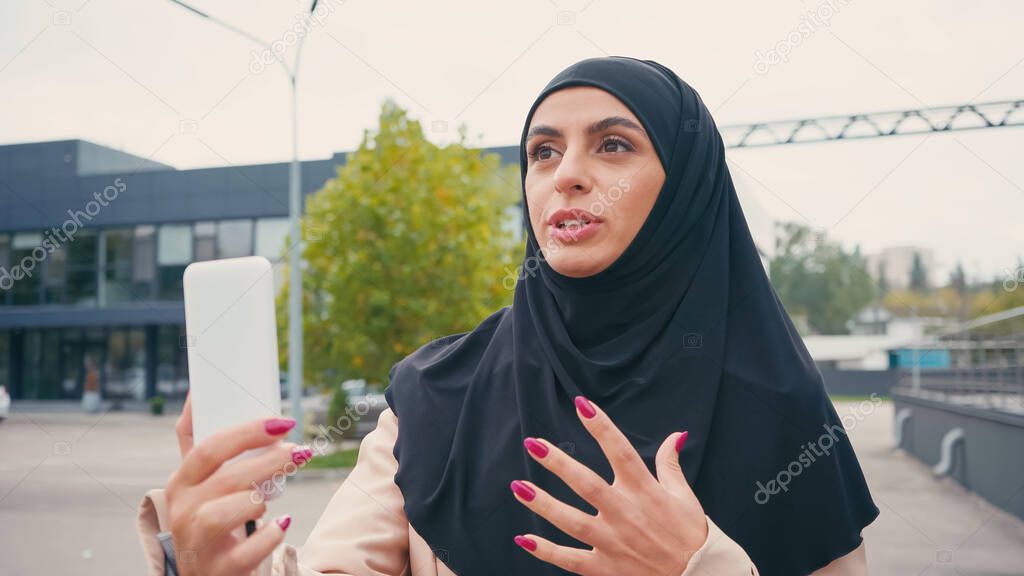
<point>93,243</point>
<point>896,262</point>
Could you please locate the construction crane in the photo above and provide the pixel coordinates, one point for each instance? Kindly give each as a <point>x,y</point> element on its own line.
<point>876,124</point>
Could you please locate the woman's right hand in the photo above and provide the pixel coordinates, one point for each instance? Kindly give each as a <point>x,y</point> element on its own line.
<point>207,502</point>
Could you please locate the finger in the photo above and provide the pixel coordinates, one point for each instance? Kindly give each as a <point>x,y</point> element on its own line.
<point>183,427</point>
<point>623,457</point>
<point>206,456</point>
<point>571,559</point>
<point>670,473</point>
<point>273,465</point>
<point>247,555</point>
<point>582,480</point>
<point>574,522</point>
<point>221,515</point>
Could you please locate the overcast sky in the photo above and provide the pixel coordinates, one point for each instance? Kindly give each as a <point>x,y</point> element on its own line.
<point>150,78</point>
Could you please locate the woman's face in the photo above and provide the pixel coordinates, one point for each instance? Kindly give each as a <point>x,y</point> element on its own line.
<point>592,177</point>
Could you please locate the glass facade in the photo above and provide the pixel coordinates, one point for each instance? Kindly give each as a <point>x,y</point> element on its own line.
<point>109,267</point>
<point>234,238</point>
<point>25,267</point>
<point>171,362</point>
<point>5,360</point>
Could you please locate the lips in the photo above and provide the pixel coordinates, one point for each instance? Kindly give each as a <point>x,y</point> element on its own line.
<point>573,225</point>
<point>564,219</point>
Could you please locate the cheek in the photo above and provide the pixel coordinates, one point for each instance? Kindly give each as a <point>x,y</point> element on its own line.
<point>536,201</point>
<point>635,205</point>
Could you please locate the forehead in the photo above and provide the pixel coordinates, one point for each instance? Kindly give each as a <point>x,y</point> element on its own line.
<point>579,105</point>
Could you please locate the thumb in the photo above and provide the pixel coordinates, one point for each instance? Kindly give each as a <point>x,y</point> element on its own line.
<point>183,427</point>
<point>670,474</point>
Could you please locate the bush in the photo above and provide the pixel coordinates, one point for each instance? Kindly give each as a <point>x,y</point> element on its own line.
<point>336,413</point>
<point>156,405</point>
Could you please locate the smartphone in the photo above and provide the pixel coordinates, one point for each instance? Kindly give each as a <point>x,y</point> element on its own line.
<point>231,339</point>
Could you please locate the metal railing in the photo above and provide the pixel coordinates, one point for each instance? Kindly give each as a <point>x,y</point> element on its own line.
<point>980,377</point>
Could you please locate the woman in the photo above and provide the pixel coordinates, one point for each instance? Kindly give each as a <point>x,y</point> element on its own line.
<point>645,406</point>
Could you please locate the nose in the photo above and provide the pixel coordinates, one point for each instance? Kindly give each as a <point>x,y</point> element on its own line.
<point>572,176</point>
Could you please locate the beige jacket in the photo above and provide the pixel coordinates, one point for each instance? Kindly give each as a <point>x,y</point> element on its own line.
<point>364,532</point>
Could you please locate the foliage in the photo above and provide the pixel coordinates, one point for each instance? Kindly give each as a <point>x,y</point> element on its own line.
<point>818,279</point>
<point>408,243</point>
<point>939,302</point>
<point>918,275</point>
<point>339,459</point>
<point>336,411</point>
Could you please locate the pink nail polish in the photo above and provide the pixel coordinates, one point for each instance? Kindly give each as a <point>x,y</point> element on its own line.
<point>585,407</point>
<point>301,455</point>
<point>276,426</point>
<point>284,522</point>
<point>535,447</point>
<point>523,491</point>
<point>525,543</point>
<point>681,440</point>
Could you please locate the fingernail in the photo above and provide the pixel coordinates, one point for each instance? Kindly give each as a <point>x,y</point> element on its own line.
<point>681,440</point>
<point>284,522</point>
<point>523,491</point>
<point>275,426</point>
<point>525,543</point>
<point>585,407</point>
<point>301,455</point>
<point>535,447</point>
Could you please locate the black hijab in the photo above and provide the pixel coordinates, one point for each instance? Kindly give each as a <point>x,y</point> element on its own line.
<point>682,332</point>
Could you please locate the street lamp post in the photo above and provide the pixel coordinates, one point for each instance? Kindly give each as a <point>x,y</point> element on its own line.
<point>294,218</point>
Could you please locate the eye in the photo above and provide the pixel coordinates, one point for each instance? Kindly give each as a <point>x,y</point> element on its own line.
<point>540,152</point>
<point>615,141</point>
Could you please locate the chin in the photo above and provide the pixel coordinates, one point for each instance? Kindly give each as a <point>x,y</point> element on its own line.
<point>576,265</point>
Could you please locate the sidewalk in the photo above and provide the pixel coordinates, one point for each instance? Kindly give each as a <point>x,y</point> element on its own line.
<point>70,482</point>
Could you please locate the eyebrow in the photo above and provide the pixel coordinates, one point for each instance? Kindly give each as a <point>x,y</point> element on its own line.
<point>596,127</point>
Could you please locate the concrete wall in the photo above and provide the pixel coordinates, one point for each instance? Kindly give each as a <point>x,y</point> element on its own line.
<point>990,461</point>
<point>859,382</point>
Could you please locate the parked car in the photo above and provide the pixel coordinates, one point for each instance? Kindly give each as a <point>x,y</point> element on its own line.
<point>5,402</point>
<point>364,404</point>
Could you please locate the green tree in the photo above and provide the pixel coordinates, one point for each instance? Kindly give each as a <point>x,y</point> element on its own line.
<point>918,275</point>
<point>817,279</point>
<point>408,243</point>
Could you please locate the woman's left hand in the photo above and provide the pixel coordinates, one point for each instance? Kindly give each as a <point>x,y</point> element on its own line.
<point>644,525</point>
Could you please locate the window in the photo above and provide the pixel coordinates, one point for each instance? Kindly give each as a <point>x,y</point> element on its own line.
<point>54,276</point>
<point>82,257</point>
<point>6,282</point>
<point>143,262</point>
<point>5,360</point>
<point>126,364</point>
<point>174,253</point>
<point>172,362</point>
<point>234,238</point>
<point>206,241</point>
<point>271,234</point>
<point>118,245</point>
<point>40,358</point>
<point>27,255</point>
<point>175,245</point>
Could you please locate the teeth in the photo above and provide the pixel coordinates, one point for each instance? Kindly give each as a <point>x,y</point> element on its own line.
<point>573,223</point>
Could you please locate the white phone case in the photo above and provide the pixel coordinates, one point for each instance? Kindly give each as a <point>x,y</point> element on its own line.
<point>231,338</point>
